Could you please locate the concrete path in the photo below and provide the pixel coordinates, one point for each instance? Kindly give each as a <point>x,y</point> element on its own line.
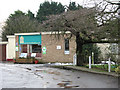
<point>89,70</point>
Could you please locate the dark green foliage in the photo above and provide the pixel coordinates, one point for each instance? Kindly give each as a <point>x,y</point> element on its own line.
<point>16,14</point>
<point>30,14</point>
<point>47,9</point>
<point>103,67</point>
<point>87,51</point>
<point>73,6</point>
<point>19,23</point>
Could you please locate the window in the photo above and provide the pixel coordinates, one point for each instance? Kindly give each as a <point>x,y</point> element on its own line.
<point>23,48</point>
<point>36,48</point>
<point>66,46</point>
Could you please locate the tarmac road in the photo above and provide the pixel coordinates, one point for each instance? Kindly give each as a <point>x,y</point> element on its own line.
<point>39,76</point>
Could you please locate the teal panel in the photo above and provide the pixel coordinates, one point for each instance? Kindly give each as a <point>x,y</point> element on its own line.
<point>29,39</point>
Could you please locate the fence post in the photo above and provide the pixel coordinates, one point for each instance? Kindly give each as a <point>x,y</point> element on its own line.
<point>89,62</point>
<point>92,57</point>
<point>75,59</point>
<point>109,65</point>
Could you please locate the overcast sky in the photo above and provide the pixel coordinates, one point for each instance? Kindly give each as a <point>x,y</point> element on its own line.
<point>8,7</point>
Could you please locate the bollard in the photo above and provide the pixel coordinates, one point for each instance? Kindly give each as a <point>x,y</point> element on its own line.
<point>109,65</point>
<point>92,57</point>
<point>75,60</point>
<point>89,62</point>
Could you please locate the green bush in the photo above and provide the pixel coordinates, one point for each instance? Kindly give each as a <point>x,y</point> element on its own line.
<point>87,51</point>
<point>117,70</point>
<point>103,67</point>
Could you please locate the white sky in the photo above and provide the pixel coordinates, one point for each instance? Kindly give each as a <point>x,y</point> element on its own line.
<point>8,7</point>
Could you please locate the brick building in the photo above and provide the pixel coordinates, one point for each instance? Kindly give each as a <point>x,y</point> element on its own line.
<point>44,46</point>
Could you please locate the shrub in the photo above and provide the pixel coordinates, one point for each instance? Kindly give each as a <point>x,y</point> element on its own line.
<point>87,51</point>
<point>117,70</point>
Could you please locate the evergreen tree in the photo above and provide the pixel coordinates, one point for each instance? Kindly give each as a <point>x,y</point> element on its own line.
<point>73,6</point>
<point>19,22</point>
<point>30,14</point>
<point>16,14</point>
<point>47,9</point>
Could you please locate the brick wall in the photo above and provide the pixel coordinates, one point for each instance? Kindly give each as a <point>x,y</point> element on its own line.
<point>57,55</point>
<point>17,41</point>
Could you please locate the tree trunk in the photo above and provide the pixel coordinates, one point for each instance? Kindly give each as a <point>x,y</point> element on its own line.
<point>79,45</point>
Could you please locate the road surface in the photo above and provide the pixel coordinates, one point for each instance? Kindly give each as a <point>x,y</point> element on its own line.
<point>39,76</point>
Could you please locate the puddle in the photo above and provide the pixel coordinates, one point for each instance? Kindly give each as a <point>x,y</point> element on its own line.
<point>28,68</point>
<point>38,75</point>
<point>47,82</point>
<point>55,78</point>
<point>62,84</point>
<point>42,71</point>
<point>78,77</point>
<point>66,81</point>
<point>56,73</point>
<point>67,75</point>
<point>49,72</point>
<point>67,84</point>
<point>70,86</point>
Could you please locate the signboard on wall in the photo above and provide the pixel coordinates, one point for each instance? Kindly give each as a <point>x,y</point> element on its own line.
<point>44,50</point>
<point>16,48</point>
<point>30,39</point>
<point>58,47</point>
<point>67,52</point>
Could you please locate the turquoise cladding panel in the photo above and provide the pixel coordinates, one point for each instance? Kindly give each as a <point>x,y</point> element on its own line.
<point>30,39</point>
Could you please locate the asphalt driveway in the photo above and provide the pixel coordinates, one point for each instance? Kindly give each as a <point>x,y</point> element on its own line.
<point>40,76</point>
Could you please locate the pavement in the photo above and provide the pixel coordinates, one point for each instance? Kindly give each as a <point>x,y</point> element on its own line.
<point>88,70</point>
<point>43,76</point>
<point>71,67</point>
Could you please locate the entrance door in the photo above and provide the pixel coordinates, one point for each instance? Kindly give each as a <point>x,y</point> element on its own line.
<point>2,52</point>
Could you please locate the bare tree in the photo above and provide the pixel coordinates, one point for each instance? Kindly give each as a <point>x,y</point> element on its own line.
<point>89,25</point>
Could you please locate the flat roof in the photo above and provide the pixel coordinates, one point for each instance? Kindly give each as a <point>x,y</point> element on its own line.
<point>38,33</point>
<point>34,33</point>
<point>5,42</point>
<point>10,36</point>
<point>54,32</point>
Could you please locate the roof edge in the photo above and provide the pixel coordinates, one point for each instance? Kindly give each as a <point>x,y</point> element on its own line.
<point>10,36</point>
<point>34,33</point>
<point>38,33</point>
<point>4,42</point>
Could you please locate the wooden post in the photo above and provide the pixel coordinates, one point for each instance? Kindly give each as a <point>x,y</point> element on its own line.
<point>28,50</point>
